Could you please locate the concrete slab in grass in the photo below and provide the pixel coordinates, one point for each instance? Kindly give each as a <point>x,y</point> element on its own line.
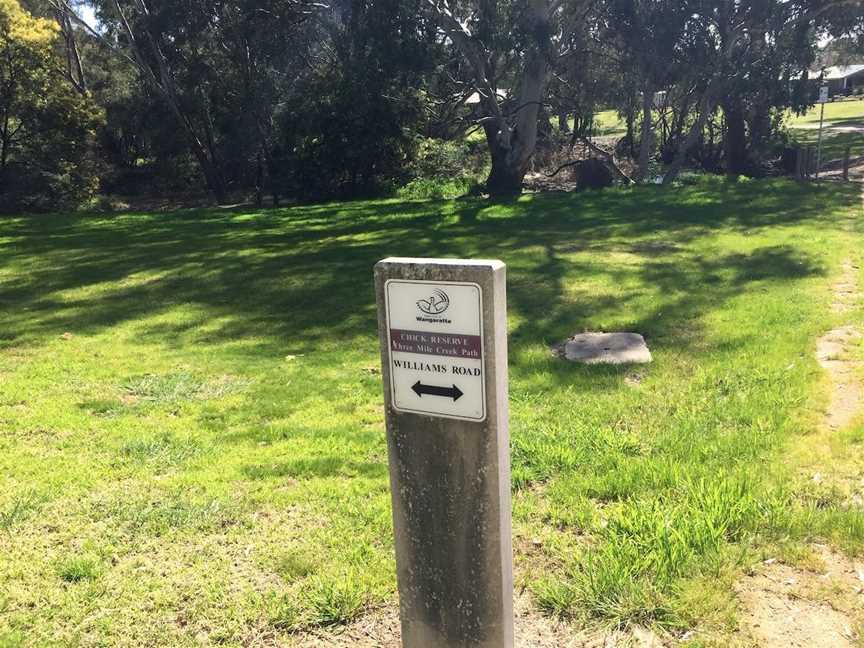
<point>607,348</point>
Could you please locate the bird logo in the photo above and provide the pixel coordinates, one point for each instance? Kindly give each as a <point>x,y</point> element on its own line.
<point>437,303</point>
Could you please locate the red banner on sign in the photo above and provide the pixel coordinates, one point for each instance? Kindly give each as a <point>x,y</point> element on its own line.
<point>438,344</point>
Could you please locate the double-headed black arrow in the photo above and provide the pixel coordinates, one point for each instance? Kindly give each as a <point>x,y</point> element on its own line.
<point>448,392</point>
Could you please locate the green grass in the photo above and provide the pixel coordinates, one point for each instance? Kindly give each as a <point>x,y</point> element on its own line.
<point>852,109</point>
<point>191,424</point>
<point>78,568</point>
<point>843,127</point>
<point>609,122</point>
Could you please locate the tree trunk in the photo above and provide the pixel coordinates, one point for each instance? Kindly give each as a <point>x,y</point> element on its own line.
<point>563,124</point>
<point>162,80</point>
<point>212,175</point>
<point>511,152</point>
<point>504,180</point>
<point>758,119</point>
<point>506,175</point>
<point>259,181</point>
<point>74,67</point>
<point>706,106</point>
<point>4,142</point>
<point>4,149</point>
<point>511,148</point>
<point>735,144</point>
<point>631,131</point>
<point>647,136</point>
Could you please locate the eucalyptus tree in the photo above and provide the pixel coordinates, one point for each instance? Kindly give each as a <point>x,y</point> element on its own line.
<point>743,56</point>
<point>209,63</point>
<point>353,123</point>
<point>47,128</point>
<point>510,48</point>
<point>646,36</point>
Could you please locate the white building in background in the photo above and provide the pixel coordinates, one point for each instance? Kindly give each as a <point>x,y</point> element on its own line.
<point>841,79</point>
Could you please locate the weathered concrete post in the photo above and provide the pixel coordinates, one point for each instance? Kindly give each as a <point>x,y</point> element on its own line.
<point>443,331</point>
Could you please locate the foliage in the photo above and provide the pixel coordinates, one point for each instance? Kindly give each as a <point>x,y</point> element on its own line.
<point>445,169</point>
<point>47,129</point>
<point>306,100</point>
<point>350,131</point>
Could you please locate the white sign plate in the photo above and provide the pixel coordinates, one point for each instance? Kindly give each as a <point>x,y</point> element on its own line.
<point>823,95</point>
<point>435,336</point>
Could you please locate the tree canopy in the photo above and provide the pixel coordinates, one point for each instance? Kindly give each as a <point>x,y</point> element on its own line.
<point>307,99</point>
<point>47,128</point>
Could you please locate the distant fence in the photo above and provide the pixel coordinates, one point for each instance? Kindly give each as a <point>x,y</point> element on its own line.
<point>805,164</point>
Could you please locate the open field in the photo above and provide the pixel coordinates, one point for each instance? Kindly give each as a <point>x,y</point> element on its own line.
<point>191,430</point>
<point>844,126</point>
<point>834,111</point>
<point>609,123</point>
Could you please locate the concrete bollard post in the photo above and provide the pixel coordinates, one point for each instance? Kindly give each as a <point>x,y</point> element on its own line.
<point>443,333</point>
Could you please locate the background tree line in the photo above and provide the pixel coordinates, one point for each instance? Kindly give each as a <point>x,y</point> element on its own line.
<point>301,99</point>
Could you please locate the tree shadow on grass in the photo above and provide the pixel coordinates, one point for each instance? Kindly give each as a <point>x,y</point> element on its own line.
<point>303,274</point>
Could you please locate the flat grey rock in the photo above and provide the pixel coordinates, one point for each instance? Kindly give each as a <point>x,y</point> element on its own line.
<point>607,348</point>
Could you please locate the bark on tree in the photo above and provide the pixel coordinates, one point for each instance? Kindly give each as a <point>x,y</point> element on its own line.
<point>630,118</point>
<point>511,145</point>
<point>735,144</point>
<point>511,136</point>
<point>730,37</point>
<point>647,134</point>
<point>161,80</point>
<point>563,124</point>
<point>707,104</point>
<point>74,67</point>
<point>4,143</point>
<point>166,85</point>
<point>4,149</point>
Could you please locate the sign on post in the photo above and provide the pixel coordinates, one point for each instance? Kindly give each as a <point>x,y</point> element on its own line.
<point>435,332</point>
<point>823,95</point>
<point>443,334</point>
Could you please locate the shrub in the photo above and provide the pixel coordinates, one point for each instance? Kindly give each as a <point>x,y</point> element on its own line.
<point>444,169</point>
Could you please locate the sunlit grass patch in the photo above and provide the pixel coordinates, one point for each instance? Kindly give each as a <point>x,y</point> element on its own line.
<point>216,435</point>
<point>17,508</point>
<point>78,568</point>
<point>103,407</point>
<point>833,111</point>
<point>842,129</point>
<point>11,639</point>
<point>180,386</point>
<point>334,600</point>
<point>294,566</point>
<point>150,512</point>
<point>283,612</point>
<point>165,450</point>
<point>630,568</point>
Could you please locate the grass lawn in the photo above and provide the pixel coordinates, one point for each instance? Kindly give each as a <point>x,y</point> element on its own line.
<point>609,123</point>
<point>843,126</point>
<point>191,429</point>
<point>833,111</point>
